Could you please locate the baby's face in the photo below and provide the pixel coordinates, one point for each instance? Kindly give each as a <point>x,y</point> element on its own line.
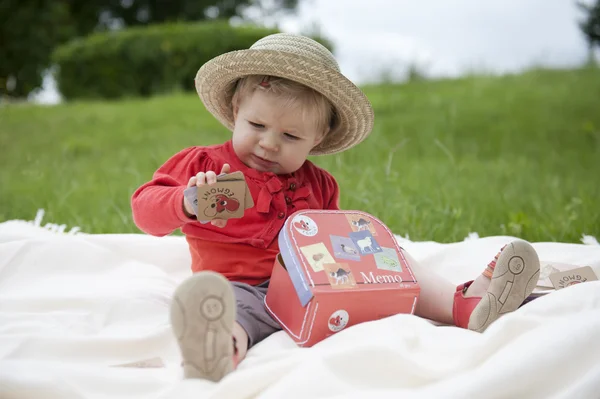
<point>270,137</point>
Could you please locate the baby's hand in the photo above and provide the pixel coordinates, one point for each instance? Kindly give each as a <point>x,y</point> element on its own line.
<point>209,177</point>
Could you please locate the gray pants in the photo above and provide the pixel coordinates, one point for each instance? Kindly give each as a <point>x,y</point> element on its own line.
<point>251,312</point>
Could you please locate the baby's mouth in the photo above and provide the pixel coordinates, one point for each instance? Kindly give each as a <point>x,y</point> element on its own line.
<point>262,161</point>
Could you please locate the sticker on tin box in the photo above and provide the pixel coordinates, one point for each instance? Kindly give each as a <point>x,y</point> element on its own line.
<point>361,223</point>
<point>343,248</point>
<point>340,275</point>
<point>338,320</point>
<point>387,259</point>
<point>317,255</point>
<point>365,242</point>
<point>305,225</point>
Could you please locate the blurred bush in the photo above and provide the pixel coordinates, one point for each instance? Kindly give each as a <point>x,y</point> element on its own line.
<point>143,61</point>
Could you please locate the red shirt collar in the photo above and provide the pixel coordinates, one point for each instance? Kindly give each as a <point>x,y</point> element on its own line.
<point>271,183</point>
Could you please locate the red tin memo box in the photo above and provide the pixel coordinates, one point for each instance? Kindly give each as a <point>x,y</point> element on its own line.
<point>336,269</point>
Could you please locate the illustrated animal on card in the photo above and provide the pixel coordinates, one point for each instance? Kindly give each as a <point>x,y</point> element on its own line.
<point>349,250</point>
<point>361,224</point>
<point>317,255</point>
<point>318,258</point>
<point>344,248</point>
<point>389,261</point>
<point>221,203</point>
<point>341,276</point>
<point>228,198</point>
<point>366,243</point>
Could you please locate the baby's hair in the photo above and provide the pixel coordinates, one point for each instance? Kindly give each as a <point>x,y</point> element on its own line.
<point>292,94</point>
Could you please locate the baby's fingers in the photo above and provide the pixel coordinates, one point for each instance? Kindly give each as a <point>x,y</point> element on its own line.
<point>200,179</point>
<point>211,177</point>
<point>225,168</point>
<point>219,222</point>
<point>192,181</point>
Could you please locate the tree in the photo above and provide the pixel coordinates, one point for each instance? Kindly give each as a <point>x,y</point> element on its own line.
<point>109,13</point>
<point>28,32</point>
<point>31,29</point>
<point>591,25</point>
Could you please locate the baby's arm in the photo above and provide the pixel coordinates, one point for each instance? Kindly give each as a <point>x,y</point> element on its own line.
<point>331,192</point>
<point>157,206</point>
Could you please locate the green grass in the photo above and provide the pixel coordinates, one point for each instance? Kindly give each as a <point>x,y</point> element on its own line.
<point>516,155</point>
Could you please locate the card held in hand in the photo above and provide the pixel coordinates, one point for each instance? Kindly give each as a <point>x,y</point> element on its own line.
<point>236,176</point>
<point>228,198</point>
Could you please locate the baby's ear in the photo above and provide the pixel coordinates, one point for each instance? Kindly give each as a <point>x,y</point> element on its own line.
<point>234,108</point>
<point>235,104</point>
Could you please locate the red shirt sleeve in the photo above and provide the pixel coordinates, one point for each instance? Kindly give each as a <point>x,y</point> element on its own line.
<point>157,206</point>
<point>330,191</point>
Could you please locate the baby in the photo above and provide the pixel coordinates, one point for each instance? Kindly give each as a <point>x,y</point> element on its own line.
<point>284,99</point>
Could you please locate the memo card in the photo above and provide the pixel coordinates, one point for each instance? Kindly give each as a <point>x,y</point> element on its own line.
<point>236,176</point>
<point>571,277</point>
<point>228,198</point>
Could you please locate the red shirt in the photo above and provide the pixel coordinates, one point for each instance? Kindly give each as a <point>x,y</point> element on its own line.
<point>245,249</point>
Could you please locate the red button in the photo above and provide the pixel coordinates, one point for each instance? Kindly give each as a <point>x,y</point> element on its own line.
<point>288,200</point>
<point>293,186</point>
<point>281,215</point>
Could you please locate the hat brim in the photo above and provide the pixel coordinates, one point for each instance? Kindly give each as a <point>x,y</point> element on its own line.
<point>215,82</point>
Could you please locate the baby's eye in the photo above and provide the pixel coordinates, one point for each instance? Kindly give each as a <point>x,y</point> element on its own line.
<point>256,125</point>
<point>291,136</point>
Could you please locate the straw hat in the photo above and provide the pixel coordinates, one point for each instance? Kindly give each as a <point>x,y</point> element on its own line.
<point>297,58</point>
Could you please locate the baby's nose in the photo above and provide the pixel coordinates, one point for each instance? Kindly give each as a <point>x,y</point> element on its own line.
<point>268,142</point>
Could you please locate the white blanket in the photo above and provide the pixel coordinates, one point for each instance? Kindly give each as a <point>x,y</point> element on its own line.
<point>76,309</point>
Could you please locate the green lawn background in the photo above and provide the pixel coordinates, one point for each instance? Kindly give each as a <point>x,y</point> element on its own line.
<point>514,155</point>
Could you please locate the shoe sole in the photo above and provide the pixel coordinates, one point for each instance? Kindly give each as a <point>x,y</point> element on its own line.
<point>202,317</point>
<point>515,276</point>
